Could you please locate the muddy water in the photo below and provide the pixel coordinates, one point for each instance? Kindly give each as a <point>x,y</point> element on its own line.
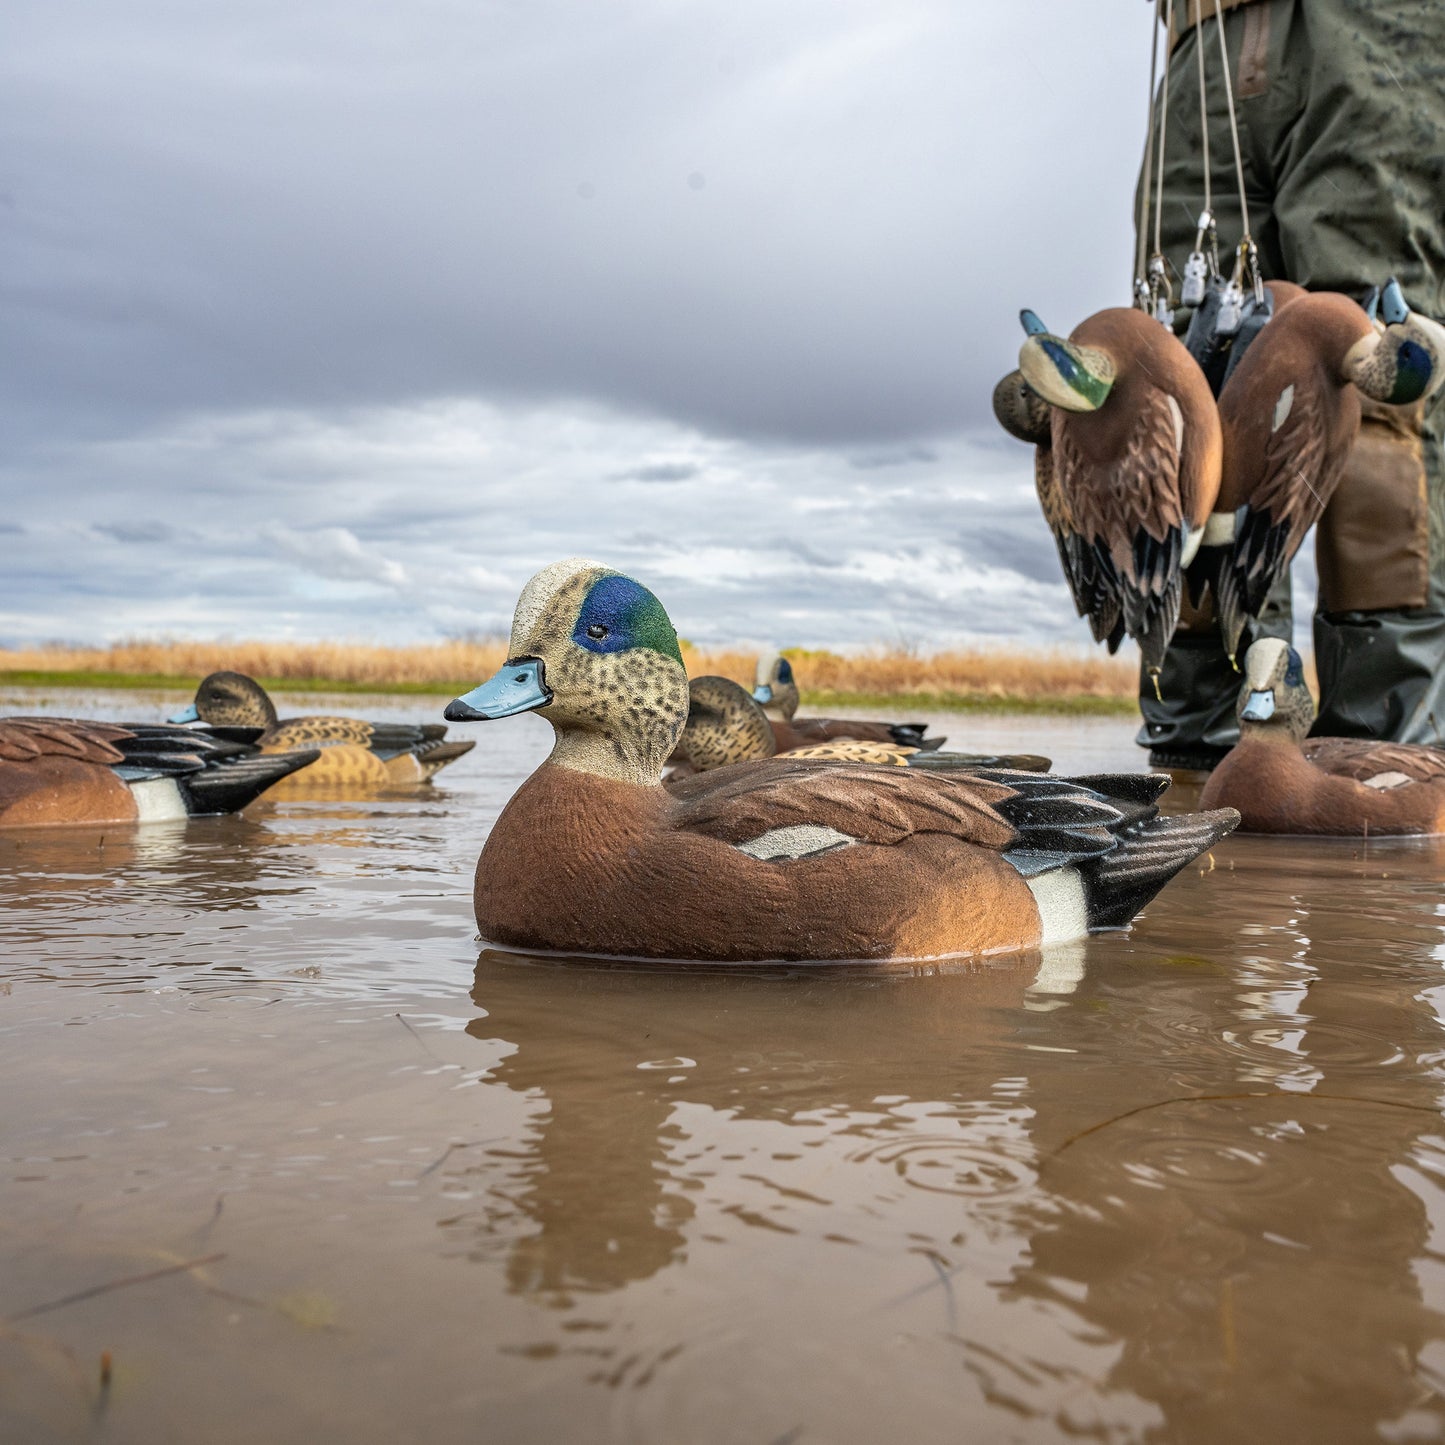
<point>278,1141</point>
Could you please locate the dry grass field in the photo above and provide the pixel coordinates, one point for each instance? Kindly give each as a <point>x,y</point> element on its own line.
<point>984,678</point>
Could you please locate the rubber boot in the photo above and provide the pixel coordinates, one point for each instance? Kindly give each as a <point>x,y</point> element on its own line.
<point>1382,675</point>
<point>1191,724</point>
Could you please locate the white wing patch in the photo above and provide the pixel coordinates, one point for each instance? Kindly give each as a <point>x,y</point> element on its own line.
<point>801,840</point>
<point>1220,528</point>
<point>1387,780</point>
<point>1283,407</point>
<point>1178,416</point>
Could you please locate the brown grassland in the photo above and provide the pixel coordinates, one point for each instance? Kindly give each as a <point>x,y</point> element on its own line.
<point>976,679</point>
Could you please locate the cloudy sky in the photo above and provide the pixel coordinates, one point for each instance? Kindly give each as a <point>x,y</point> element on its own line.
<point>333,319</point>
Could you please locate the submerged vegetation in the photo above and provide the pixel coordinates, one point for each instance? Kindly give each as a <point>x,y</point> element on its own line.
<point>980,679</point>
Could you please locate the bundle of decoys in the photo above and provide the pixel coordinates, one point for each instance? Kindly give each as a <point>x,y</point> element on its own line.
<point>726,725</point>
<point>1164,464</point>
<point>780,858</point>
<point>1282,781</point>
<point>62,770</point>
<point>352,752</point>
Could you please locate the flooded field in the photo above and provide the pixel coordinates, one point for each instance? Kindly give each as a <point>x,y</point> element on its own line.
<point>285,1159</point>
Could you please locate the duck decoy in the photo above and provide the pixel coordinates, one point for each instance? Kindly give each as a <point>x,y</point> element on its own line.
<point>1282,781</point>
<point>1290,412</point>
<point>726,725</point>
<point>1133,469</point>
<point>780,858</point>
<point>353,752</point>
<point>61,770</point>
<point>777,694</point>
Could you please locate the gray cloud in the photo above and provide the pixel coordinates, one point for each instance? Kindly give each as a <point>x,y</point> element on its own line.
<point>343,319</point>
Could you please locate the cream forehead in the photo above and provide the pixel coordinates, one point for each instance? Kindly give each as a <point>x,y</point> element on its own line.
<point>1262,659</point>
<point>766,663</point>
<point>542,589</point>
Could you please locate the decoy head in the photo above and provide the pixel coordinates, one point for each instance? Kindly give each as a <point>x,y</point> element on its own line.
<point>1021,411</point>
<point>1063,373</point>
<point>1273,695</point>
<point>229,700</point>
<point>724,725</point>
<point>596,654</point>
<point>776,689</point>
<point>1401,361</point>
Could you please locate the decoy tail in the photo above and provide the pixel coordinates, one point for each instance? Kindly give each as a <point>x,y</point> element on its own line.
<point>1150,852</point>
<point>233,783</point>
<point>433,755</point>
<point>914,735</point>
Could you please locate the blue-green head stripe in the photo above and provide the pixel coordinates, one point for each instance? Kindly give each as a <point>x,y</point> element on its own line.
<point>620,614</point>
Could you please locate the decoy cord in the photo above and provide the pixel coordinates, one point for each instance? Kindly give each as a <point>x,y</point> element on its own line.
<point>1247,250</point>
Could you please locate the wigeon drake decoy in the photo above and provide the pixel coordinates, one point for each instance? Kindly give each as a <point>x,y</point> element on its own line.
<point>1133,471</point>
<point>1290,412</point>
<point>776,692</point>
<point>776,859</point>
<point>1282,781</point>
<point>62,770</point>
<point>726,725</point>
<point>354,752</point>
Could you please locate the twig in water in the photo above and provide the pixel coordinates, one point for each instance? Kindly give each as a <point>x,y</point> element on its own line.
<point>99,1289</point>
<point>1251,1094</point>
<point>421,1042</point>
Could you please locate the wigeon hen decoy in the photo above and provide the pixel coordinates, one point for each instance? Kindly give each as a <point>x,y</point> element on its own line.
<point>1282,781</point>
<point>776,692</point>
<point>61,770</point>
<point>726,725</point>
<point>353,752</point>
<point>1134,467</point>
<point>776,859</point>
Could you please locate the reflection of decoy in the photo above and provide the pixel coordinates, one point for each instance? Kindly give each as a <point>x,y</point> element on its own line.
<point>1282,783</point>
<point>353,752</point>
<point>780,858</point>
<point>1290,412</point>
<point>777,694</point>
<point>1134,466</point>
<point>725,725</point>
<point>56,770</point>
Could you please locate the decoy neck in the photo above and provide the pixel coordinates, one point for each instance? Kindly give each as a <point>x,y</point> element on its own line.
<point>724,725</point>
<point>595,653</point>
<point>230,700</point>
<point>777,689</point>
<point>1064,373</point>
<point>1403,360</point>
<point>1273,699</point>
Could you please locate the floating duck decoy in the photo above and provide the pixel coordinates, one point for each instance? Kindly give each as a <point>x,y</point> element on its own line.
<point>1290,412</point>
<point>1133,469</point>
<point>777,859</point>
<point>353,752</point>
<point>1282,781</point>
<point>777,694</point>
<point>60,770</point>
<point>726,725</point>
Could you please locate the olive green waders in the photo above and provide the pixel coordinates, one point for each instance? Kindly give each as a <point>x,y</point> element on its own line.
<point>1341,107</point>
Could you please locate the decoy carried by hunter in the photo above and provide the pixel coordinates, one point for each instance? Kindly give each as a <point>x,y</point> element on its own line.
<point>776,692</point>
<point>1290,412</point>
<point>62,770</point>
<point>776,859</point>
<point>725,725</point>
<point>353,752</point>
<point>1131,469</point>
<point>1282,781</point>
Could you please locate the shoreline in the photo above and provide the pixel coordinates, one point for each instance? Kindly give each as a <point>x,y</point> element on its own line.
<point>1062,704</point>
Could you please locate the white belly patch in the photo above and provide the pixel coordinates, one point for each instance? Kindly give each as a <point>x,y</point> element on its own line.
<point>802,840</point>
<point>158,800</point>
<point>1063,913</point>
